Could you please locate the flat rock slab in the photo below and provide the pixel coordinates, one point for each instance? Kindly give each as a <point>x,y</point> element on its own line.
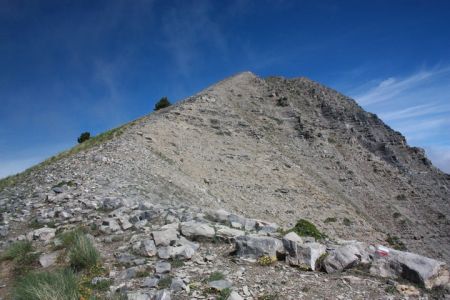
<point>220,284</point>
<point>197,230</point>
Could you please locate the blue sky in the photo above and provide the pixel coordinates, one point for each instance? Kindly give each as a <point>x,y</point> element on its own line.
<point>73,66</point>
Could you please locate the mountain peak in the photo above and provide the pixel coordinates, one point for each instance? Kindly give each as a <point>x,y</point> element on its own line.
<point>261,154</point>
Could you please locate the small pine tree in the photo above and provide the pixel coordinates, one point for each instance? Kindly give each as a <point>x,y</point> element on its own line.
<point>84,137</point>
<point>162,103</point>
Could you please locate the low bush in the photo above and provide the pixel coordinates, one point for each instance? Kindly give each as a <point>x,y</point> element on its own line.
<point>306,228</point>
<point>56,285</point>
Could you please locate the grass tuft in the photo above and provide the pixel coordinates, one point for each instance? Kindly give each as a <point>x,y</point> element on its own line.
<point>17,251</point>
<point>82,253</point>
<point>22,254</point>
<point>56,285</point>
<point>216,276</point>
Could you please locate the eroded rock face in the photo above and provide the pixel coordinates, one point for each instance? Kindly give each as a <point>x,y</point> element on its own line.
<point>254,246</point>
<point>304,255</point>
<point>418,269</point>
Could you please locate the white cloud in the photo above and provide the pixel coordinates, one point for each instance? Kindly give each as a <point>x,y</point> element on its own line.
<point>416,111</point>
<point>392,87</point>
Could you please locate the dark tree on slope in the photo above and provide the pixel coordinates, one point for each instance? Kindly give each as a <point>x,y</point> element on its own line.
<point>84,137</point>
<point>162,103</point>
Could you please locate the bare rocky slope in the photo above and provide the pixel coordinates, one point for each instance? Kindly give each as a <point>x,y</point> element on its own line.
<point>271,149</point>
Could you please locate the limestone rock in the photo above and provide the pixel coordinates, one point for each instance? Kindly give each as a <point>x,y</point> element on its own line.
<point>197,230</point>
<point>165,237</point>
<point>346,256</point>
<point>301,254</point>
<point>413,267</point>
<point>253,246</point>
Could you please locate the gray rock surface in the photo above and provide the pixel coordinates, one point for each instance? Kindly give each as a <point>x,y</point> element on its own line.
<point>197,230</point>
<point>346,256</point>
<point>413,267</point>
<point>253,246</point>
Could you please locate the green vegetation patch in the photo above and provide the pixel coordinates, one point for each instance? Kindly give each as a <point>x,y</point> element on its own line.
<point>82,254</point>
<point>55,285</point>
<point>22,254</point>
<point>215,276</point>
<point>306,228</point>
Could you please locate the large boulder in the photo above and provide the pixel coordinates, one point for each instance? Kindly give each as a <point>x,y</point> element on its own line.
<point>424,271</point>
<point>346,256</point>
<point>303,255</point>
<point>197,230</point>
<point>254,246</point>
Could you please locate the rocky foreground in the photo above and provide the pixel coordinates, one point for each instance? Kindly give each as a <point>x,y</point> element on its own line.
<point>154,251</point>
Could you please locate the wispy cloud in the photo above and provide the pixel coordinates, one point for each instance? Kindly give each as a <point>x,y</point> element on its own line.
<point>416,111</point>
<point>391,87</point>
<point>417,105</point>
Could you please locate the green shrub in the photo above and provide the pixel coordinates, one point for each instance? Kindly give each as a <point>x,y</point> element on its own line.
<point>84,137</point>
<point>82,254</point>
<point>55,285</point>
<point>162,103</point>
<point>306,228</point>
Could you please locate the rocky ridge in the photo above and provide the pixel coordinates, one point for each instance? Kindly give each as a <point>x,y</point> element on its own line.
<point>269,149</point>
